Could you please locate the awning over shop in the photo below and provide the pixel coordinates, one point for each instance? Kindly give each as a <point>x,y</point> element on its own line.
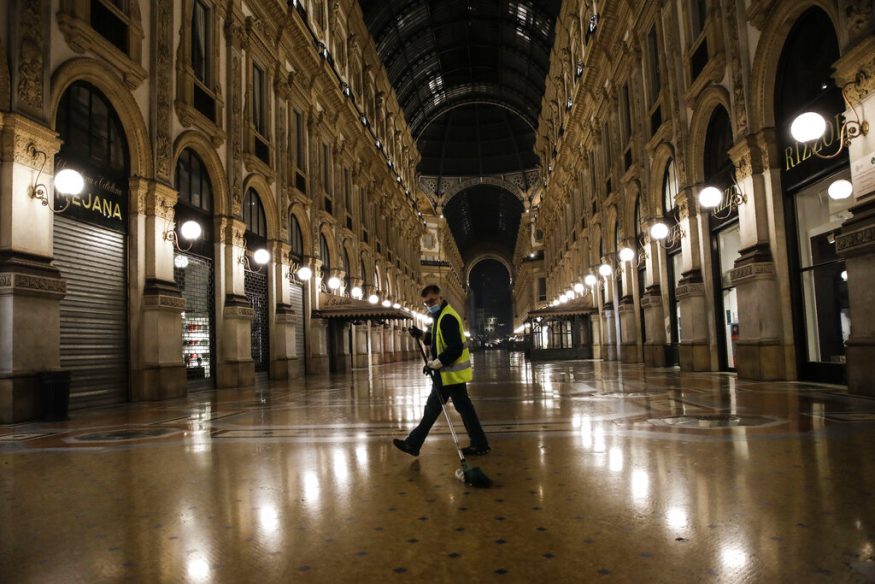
<point>563,310</point>
<point>344,308</point>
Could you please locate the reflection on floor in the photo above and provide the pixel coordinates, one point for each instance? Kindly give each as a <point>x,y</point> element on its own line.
<point>602,472</point>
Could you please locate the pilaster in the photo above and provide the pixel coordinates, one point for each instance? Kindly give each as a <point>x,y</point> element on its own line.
<point>30,287</point>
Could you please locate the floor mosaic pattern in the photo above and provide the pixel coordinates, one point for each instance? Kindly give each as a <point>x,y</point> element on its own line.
<point>602,472</point>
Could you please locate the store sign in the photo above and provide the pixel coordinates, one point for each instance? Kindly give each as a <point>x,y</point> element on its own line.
<point>103,202</point>
<point>732,196</point>
<point>798,154</point>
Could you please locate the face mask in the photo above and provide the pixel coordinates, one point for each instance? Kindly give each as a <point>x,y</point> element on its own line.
<point>434,309</point>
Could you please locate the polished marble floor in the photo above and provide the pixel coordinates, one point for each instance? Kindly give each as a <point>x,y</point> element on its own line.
<point>602,473</point>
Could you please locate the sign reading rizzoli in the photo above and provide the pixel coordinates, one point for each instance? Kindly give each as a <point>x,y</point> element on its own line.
<point>103,201</point>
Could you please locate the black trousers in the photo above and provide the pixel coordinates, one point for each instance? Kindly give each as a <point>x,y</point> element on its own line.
<point>459,394</point>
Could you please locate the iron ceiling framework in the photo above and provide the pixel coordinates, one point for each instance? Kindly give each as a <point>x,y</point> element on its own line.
<point>470,76</point>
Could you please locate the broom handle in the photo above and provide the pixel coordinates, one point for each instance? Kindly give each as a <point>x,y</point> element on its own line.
<point>435,387</point>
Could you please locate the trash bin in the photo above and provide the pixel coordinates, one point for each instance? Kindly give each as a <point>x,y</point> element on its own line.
<point>55,391</point>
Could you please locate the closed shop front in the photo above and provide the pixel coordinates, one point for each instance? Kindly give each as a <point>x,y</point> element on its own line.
<point>255,280</point>
<point>90,249</point>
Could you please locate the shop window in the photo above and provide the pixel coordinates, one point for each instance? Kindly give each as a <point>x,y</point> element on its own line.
<point>253,215</point>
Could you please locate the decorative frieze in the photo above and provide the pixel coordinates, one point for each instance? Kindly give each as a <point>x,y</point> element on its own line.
<point>15,283</point>
<point>855,242</point>
<point>162,301</point>
<point>752,271</point>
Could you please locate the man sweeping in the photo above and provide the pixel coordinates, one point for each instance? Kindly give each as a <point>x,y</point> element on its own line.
<point>452,361</point>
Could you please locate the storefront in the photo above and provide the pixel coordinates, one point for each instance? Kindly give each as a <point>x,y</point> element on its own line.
<point>813,211</point>
<point>561,332</point>
<point>673,264</point>
<point>255,280</point>
<point>193,270</point>
<point>725,237</point>
<point>90,248</point>
<point>298,292</point>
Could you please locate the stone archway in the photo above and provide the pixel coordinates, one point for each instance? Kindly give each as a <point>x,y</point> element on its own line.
<point>484,256</point>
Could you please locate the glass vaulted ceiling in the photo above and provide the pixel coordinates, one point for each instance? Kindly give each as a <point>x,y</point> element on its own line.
<point>470,75</point>
<point>488,59</point>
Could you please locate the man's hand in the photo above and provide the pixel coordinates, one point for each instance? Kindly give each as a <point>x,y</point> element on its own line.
<point>415,332</point>
<point>436,364</point>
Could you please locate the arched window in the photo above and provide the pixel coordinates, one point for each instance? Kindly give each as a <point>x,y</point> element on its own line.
<point>324,254</point>
<point>91,131</point>
<point>296,238</point>
<point>376,278</point>
<point>364,271</point>
<point>638,227</point>
<point>669,188</point>
<point>253,214</point>
<point>718,142</point>
<point>345,258</point>
<point>193,182</point>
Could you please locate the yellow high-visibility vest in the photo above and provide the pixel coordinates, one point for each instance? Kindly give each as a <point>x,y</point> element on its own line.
<point>459,371</point>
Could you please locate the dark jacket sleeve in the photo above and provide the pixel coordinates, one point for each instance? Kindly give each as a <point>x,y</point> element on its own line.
<point>453,338</point>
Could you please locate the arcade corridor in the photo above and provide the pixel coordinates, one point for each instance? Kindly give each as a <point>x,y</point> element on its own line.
<point>603,472</point>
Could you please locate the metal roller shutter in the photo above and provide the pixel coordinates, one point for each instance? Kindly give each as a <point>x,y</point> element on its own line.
<point>94,316</point>
<point>255,286</point>
<point>297,295</point>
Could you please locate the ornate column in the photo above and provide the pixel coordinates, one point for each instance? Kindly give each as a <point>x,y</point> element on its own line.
<point>388,343</point>
<point>654,312</point>
<point>629,337</point>
<point>609,314</point>
<point>30,287</point>
<point>376,332</point>
<point>318,346</point>
<point>762,350</point>
<point>236,367</point>
<point>694,347</point>
<point>284,359</point>
<point>856,244</point>
<point>157,368</point>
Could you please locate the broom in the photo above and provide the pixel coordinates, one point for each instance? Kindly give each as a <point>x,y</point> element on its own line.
<point>472,476</point>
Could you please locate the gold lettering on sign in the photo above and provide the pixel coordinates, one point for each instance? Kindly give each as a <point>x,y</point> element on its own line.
<point>105,207</point>
<point>794,155</point>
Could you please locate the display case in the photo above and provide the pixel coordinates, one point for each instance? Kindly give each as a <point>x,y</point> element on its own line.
<point>196,346</point>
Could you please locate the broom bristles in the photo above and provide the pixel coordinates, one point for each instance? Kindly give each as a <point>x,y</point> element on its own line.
<point>477,478</point>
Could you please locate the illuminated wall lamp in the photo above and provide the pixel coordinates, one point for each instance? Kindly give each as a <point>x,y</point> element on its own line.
<point>356,292</point>
<point>664,236</point>
<point>334,283</point>
<point>590,280</point>
<point>712,198</point>
<point>579,288</point>
<point>627,254</point>
<point>260,256</point>
<point>68,182</point>
<point>189,231</point>
<point>373,299</point>
<point>811,126</point>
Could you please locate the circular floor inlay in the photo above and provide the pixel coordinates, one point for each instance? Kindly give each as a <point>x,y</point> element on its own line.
<point>124,435</point>
<point>714,421</point>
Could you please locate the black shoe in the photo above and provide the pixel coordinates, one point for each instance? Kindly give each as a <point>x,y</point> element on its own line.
<point>403,446</point>
<point>471,451</point>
